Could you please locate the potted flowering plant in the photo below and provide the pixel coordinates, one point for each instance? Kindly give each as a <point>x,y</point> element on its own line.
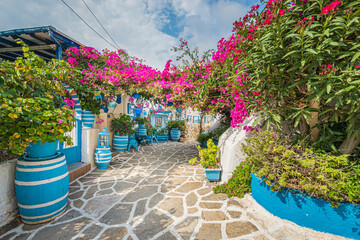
<point>141,121</point>
<point>122,128</point>
<point>210,161</point>
<point>141,130</point>
<point>161,135</point>
<point>34,118</point>
<point>32,110</point>
<point>176,127</point>
<point>27,122</point>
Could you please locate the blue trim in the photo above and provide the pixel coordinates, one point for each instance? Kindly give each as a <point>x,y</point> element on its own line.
<point>27,30</point>
<point>59,47</point>
<point>308,211</point>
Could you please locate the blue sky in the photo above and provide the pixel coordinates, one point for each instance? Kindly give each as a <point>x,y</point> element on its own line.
<point>145,28</point>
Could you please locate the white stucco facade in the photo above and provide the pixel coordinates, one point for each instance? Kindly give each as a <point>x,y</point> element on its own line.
<point>8,208</point>
<point>230,148</point>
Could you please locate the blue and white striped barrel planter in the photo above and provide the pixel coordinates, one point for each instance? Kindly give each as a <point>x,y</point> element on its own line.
<point>102,157</point>
<point>141,131</point>
<point>88,118</point>
<point>120,143</point>
<point>42,189</point>
<point>175,134</point>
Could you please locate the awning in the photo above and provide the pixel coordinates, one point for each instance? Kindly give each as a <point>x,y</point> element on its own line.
<point>46,41</point>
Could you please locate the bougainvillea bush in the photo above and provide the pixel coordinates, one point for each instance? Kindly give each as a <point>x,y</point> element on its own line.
<point>302,57</point>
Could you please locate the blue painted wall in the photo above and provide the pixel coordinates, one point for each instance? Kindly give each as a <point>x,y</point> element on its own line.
<point>307,211</point>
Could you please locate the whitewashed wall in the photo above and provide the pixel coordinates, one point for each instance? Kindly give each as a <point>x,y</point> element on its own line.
<point>230,148</point>
<point>8,208</point>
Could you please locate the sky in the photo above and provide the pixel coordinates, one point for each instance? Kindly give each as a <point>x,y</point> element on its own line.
<point>146,29</point>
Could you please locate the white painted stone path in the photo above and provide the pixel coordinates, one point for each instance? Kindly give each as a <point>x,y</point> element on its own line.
<point>156,194</point>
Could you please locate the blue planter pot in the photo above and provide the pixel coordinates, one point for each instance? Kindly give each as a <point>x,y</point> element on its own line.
<point>42,189</point>
<point>175,134</point>
<point>38,150</point>
<point>141,131</point>
<point>213,174</point>
<point>88,118</point>
<point>120,142</point>
<point>102,157</point>
<point>308,211</point>
<point>162,138</point>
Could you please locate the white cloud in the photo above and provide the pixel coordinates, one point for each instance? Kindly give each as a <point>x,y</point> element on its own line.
<point>135,24</point>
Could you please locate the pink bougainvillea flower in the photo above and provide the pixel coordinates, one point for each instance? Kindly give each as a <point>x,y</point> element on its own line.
<point>358,66</point>
<point>59,121</point>
<point>282,12</point>
<point>100,121</point>
<point>330,66</point>
<point>70,102</point>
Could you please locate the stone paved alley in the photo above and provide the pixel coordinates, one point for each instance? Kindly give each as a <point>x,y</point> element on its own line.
<point>156,194</point>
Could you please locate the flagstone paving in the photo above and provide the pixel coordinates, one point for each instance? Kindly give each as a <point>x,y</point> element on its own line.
<point>156,194</point>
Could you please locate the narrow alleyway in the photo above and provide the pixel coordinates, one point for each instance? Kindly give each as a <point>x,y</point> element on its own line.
<point>156,194</point>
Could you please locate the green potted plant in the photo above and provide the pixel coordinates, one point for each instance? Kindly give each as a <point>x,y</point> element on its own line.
<point>210,161</point>
<point>32,107</point>
<point>176,127</point>
<point>33,118</point>
<point>161,135</point>
<point>90,106</point>
<point>150,130</point>
<point>35,124</point>
<point>141,130</point>
<point>122,128</point>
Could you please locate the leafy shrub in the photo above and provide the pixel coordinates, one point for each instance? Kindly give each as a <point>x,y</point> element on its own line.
<point>176,124</point>
<point>122,125</point>
<point>5,155</point>
<point>161,131</point>
<point>319,174</point>
<point>214,135</point>
<point>203,137</point>
<point>140,120</point>
<point>32,120</point>
<point>239,184</point>
<point>208,156</point>
<point>150,130</point>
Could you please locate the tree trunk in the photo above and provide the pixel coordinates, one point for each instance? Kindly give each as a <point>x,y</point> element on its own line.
<point>314,131</point>
<point>349,144</point>
<point>303,127</point>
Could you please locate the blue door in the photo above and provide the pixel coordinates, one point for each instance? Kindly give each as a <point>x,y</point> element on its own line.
<point>73,153</point>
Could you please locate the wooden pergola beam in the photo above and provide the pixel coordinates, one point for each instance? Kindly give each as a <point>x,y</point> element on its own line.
<point>31,48</point>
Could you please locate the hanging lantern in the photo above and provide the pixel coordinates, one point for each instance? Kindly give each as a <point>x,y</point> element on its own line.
<point>102,152</point>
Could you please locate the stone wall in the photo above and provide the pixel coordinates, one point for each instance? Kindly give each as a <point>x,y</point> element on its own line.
<point>193,126</point>
<point>8,208</point>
